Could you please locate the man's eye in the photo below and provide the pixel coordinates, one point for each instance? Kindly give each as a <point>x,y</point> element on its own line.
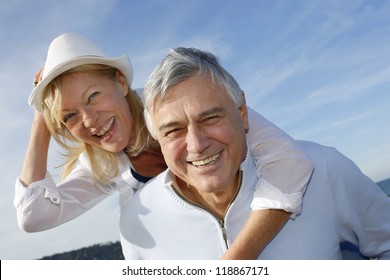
<point>172,132</point>
<point>211,119</point>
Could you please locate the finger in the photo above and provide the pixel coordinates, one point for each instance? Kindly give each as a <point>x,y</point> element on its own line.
<point>38,77</point>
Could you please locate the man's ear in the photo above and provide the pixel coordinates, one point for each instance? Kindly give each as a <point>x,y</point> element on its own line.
<point>244,113</point>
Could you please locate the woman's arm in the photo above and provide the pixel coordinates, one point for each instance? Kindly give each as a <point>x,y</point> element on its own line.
<point>43,204</point>
<point>259,230</point>
<point>284,171</point>
<point>282,167</point>
<point>35,162</point>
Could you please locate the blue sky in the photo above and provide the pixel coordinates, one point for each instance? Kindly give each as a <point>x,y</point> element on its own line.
<point>320,70</point>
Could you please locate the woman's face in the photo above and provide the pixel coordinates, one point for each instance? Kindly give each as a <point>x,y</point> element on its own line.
<point>95,110</point>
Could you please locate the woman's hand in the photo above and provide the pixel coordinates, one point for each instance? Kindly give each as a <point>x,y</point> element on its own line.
<point>38,76</point>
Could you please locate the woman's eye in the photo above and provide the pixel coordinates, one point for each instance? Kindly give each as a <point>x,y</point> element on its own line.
<point>67,117</point>
<point>92,96</point>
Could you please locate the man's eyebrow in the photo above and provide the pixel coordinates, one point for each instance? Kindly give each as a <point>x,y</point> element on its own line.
<point>202,115</point>
<point>168,125</point>
<point>211,111</point>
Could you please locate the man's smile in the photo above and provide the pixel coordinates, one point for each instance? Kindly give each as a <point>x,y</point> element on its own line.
<point>206,162</point>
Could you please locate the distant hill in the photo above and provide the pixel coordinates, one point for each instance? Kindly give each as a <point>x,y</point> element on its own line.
<point>108,251</point>
<point>385,186</point>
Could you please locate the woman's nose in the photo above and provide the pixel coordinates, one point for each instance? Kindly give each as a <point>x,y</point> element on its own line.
<point>89,118</point>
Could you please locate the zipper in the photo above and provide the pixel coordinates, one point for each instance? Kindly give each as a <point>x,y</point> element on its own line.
<point>224,235</point>
<point>221,222</point>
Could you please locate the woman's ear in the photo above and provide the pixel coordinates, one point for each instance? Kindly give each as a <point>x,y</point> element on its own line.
<point>122,83</point>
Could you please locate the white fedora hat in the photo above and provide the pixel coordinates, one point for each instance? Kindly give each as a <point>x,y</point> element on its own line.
<point>71,50</point>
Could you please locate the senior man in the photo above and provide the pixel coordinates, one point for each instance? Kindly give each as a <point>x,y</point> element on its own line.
<point>196,208</point>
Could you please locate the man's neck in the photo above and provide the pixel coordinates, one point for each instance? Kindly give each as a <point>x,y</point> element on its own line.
<point>215,202</point>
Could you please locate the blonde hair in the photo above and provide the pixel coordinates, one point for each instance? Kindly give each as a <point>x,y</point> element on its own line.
<point>104,164</point>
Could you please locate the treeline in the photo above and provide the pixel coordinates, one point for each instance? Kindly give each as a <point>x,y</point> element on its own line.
<point>108,251</point>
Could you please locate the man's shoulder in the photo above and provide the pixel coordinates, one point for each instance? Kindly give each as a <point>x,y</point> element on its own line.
<point>155,186</point>
<point>318,151</point>
<point>149,196</point>
<point>330,156</point>
<point>334,169</point>
<point>312,146</point>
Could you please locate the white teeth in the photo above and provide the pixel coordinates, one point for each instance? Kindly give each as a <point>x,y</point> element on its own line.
<point>206,161</point>
<point>106,128</point>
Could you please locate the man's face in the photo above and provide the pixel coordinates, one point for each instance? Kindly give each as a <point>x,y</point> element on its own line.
<point>202,135</point>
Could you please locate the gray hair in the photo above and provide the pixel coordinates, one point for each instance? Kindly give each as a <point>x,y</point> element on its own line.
<point>180,65</point>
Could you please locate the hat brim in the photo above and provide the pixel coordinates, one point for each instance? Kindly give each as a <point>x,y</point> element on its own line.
<point>121,63</point>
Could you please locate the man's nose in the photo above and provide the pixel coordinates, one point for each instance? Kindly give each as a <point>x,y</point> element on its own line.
<point>197,140</point>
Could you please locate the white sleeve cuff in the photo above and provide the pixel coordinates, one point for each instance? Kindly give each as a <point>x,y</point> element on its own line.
<point>24,193</point>
<point>268,196</point>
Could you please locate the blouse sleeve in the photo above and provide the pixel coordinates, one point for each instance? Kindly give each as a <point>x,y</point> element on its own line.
<point>282,167</point>
<point>44,204</point>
